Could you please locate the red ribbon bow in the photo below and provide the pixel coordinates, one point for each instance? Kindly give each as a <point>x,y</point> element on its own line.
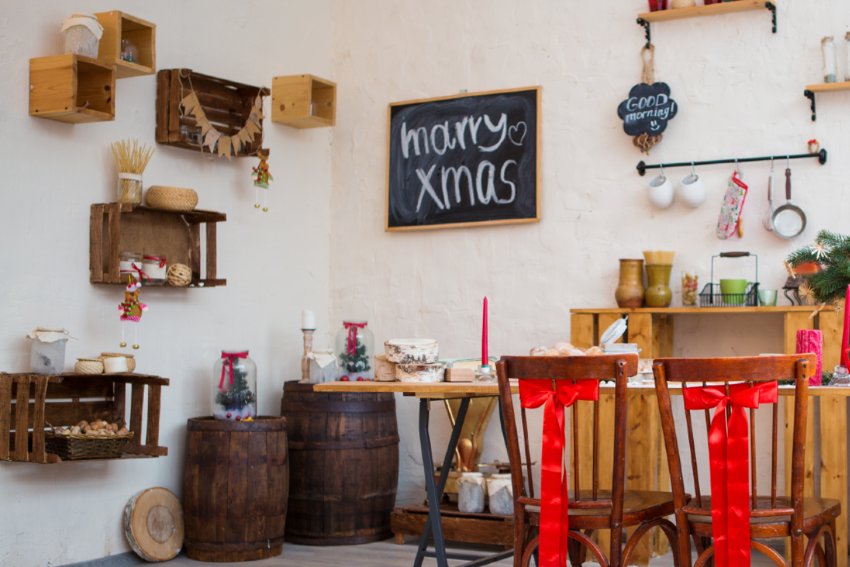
<point>230,356</point>
<point>554,513</point>
<point>728,452</point>
<point>351,342</point>
<point>140,271</point>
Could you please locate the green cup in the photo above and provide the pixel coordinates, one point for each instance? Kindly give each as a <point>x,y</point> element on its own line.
<point>733,291</point>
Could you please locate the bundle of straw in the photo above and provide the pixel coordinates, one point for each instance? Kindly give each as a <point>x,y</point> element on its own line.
<point>662,257</point>
<point>131,156</point>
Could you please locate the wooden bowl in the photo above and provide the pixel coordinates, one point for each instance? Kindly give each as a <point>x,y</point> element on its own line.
<point>171,198</point>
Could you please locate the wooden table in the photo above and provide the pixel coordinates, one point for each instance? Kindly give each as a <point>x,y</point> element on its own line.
<point>426,392</point>
<point>645,439</point>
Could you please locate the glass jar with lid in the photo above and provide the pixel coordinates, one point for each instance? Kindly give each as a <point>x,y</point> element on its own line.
<point>129,264</point>
<point>235,394</point>
<point>355,346</point>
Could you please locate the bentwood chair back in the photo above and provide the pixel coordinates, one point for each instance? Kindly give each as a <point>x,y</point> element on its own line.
<point>732,512</point>
<point>569,386</point>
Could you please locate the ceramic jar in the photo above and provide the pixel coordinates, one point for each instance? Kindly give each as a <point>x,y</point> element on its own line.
<point>630,287</point>
<point>235,394</point>
<point>658,293</point>
<point>471,493</point>
<point>500,494</point>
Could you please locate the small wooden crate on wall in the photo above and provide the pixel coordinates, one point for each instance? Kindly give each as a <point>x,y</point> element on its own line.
<point>72,88</point>
<point>174,235</point>
<point>227,105</point>
<point>303,101</point>
<point>31,402</point>
<point>118,26</point>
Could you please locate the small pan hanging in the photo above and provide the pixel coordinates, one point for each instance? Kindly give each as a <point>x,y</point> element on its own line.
<point>788,220</point>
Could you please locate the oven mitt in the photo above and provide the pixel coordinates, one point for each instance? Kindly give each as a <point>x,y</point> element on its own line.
<point>733,205</point>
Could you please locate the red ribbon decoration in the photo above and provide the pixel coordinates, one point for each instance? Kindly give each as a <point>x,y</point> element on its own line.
<point>351,342</point>
<point>728,452</point>
<point>230,356</point>
<point>142,274</point>
<point>554,501</point>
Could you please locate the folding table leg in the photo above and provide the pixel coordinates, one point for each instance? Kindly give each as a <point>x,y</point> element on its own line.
<point>434,490</point>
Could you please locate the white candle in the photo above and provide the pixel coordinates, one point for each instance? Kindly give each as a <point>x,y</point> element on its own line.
<point>308,319</point>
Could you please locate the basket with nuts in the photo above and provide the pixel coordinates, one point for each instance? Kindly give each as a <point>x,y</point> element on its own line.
<point>97,439</point>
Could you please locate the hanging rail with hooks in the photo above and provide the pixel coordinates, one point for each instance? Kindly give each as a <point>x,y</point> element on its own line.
<point>820,155</point>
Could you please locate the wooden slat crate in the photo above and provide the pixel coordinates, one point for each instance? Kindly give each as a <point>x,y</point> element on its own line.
<point>173,235</point>
<point>227,105</point>
<point>31,402</point>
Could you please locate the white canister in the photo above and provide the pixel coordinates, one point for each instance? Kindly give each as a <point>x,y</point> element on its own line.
<point>471,493</point>
<point>155,268</point>
<point>500,494</point>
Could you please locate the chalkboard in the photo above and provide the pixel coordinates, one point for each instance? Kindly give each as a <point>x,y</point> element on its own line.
<point>647,109</point>
<point>472,159</point>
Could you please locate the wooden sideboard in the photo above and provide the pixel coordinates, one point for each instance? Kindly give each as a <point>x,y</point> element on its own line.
<point>652,330</point>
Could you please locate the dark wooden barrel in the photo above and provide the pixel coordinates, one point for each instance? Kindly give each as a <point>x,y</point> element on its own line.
<point>344,463</point>
<point>235,485</point>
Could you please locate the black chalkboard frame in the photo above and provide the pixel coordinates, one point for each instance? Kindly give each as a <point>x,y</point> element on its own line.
<point>537,92</point>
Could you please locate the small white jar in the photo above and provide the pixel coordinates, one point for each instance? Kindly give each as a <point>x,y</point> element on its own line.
<point>500,494</point>
<point>155,268</point>
<point>471,493</point>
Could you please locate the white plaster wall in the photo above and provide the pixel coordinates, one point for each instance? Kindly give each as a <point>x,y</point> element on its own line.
<point>739,88</point>
<point>275,264</point>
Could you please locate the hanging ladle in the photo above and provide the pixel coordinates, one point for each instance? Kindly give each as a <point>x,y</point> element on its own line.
<point>789,220</point>
<point>768,217</point>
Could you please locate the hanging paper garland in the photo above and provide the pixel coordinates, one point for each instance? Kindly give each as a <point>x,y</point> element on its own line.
<point>218,143</point>
<point>649,107</point>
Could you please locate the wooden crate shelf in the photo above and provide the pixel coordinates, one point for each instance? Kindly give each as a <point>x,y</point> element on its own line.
<point>487,529</point>
<point>303,101</point>
<point>174,235</point>
<point>72,88</point>
<point>31,402</point>
<point>118,26</point>
<point>227,105</point>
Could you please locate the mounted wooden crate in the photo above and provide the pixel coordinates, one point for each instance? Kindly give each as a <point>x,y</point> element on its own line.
<point>31,402</point>
<point>303,101</point>
<point>226,104</point>
<point>72,88</point>
<point>174,235</point>
<point>118,26</point>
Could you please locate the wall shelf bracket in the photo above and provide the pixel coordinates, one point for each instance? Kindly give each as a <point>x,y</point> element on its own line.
<point>646,30</point>
<point>772,7</point>
<point>811,96</point>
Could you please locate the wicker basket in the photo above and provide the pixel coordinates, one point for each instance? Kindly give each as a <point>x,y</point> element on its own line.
<point>89,366</point>
<point>79,447</point>
<point>171,198</point>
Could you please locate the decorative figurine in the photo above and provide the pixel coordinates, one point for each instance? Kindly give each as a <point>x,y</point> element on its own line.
<point>131,309</point>
<point>262,177</point>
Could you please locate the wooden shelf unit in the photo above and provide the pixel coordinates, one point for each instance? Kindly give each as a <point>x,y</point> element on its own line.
<point>710,10</point>
<point>810,91</point>
<point>118,26</point>
<point>174,235</point>
<point>486,529</point>
<point>303,101</point>
<point>31,402</point>
<point>72,88</point>
<point>227,105</point>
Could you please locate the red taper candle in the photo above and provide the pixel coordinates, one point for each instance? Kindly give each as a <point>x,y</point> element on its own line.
<point>484,339</point>
<point>846,335</point>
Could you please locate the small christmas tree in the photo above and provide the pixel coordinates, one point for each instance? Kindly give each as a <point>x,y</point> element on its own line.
<point>357,361</point>
<point>832,252</point>
<point>239,394</point>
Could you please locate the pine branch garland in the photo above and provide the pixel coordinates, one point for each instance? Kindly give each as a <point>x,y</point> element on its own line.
<point>832,252</point>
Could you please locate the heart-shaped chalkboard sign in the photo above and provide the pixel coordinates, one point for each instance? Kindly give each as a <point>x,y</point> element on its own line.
<point>647,110</point>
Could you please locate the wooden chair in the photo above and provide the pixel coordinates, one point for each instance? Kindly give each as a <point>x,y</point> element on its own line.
<point>590,508</point>
<point>744,382</point>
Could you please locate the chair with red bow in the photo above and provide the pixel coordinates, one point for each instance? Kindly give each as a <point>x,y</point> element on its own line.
<point>558,519</point>
<point>735,518</point>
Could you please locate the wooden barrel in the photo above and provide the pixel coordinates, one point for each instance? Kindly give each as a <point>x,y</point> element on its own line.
<point>344,459</point>
<point>235,485</point>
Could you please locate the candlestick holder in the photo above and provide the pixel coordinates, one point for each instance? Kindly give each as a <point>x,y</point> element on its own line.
<point>305,359</point>
<point>485,373</point>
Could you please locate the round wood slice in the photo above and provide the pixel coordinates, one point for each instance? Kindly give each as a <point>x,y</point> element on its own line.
<point>153,524</point>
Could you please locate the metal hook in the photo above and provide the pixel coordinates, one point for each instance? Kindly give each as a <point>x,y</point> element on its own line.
<point>693,169</point>
<point>737,168</point>
<point>771,164</point>
<point>788,162</point>
<point>661,167</point>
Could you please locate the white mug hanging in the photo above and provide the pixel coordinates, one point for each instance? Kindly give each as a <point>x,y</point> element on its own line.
<point>661,191</point>
<point>691,189</point>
